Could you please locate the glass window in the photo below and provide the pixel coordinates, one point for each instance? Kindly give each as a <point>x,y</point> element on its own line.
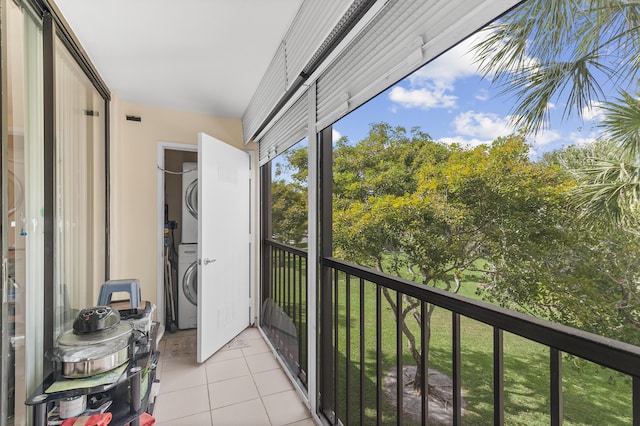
<point>22,220</point>
<point>80,190</point>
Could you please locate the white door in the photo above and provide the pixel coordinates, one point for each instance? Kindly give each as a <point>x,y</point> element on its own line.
<point>223,244</point>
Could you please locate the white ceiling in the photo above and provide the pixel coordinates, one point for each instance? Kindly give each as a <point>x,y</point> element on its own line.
<point>205,56</point>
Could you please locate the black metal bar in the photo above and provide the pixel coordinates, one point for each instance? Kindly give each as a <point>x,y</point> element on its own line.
<point>306,315</point>
<point>294,288</point>
<point>399,363</point>
<point>609,353</point>
<point>636,401</point>
<point>336,347</point>
<point>40,414</point>
<point>498,376</point>
<point>325,194</point>
<point>280,278</point>
<point>327,386</point>
<point>457,370</point>
<point>266,231</point>
<point>348,345</point>
<point>134,394</point>
<point>379,383</point>
<point>107,190</point>
<point>362,350</point>
<point>297,300</point>
<point>274,273</point>
<point>285,247</point>
<point>49,126</point>
<point>556,386</point>
<point>288,283</point>
<point>424,367</point>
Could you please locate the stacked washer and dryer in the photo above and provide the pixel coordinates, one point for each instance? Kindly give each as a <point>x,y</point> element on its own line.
<point>188,250</point>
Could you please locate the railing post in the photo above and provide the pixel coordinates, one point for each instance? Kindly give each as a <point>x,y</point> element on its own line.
<point>326,314</point>
<point>457,387</point>
<point>347,347</point>
<point>379,355</point>
<point>498,376</point>
<point>362,350</point>
<point>556,386</point>
<point>399,364</point>
<point>424,361</point>
<point>636,401</point>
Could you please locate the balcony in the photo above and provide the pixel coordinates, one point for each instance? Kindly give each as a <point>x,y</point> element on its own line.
<point>361,347</point>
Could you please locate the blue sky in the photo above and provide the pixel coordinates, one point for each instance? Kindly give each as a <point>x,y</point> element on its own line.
<point>449,100</point>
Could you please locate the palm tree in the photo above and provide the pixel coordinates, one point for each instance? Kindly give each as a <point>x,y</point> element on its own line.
<point>610,187</point>
<point>551,50</point>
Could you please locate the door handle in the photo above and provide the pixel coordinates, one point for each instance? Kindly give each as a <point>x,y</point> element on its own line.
<point>208,261</point>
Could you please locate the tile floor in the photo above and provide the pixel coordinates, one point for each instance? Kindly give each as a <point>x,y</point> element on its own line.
<point>242,384</point>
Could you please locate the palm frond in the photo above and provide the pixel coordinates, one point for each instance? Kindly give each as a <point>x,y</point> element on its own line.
<point>622,123</point>
<point>610,193</point>
<point>536,87</point>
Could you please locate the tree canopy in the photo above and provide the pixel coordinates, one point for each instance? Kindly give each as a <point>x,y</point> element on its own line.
<point>443,215</point>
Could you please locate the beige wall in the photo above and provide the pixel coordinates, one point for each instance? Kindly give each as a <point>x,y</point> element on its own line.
<point>134,180</point>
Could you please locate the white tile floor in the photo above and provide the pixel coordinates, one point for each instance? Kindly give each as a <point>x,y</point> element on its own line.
<point>242,384</point>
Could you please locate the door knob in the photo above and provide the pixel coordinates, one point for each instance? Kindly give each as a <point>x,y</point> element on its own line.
<point>208,261</point>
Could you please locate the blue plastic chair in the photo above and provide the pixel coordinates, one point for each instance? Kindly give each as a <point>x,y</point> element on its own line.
<point>131,286</point>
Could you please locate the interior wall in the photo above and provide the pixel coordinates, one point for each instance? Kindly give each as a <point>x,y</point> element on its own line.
<point>134,200</point>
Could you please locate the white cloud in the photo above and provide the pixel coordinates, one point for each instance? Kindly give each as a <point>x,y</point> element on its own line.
<point>489,127</point>
<point>483,95</point>
<point>335,135</point>
<point>424,98</point>
<point>593,111</point>
<point>432,86</point>
<point>544,137</point>
<point>482,125</point>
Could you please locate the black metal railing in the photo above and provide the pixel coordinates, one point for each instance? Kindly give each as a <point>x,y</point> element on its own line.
<point>284,304</point>
<point>362,345</point>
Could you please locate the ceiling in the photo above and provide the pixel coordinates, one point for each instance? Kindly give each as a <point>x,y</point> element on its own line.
<point>204,56</point>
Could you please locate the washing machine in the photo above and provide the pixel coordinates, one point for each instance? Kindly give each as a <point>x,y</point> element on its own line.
<point>189,203</point>
<point>187,286</point>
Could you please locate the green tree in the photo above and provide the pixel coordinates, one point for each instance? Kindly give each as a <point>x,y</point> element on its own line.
<point>410,206</point>
<point>289,197</point>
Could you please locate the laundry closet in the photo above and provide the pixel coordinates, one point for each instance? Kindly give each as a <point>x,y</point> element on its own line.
<point>205,282</point>
<point>181,239</point>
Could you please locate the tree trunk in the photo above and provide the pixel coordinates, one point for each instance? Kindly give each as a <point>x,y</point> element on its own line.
<point>426,331</point>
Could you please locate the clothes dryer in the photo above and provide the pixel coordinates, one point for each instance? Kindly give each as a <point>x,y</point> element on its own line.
<point>187,286</point>
<point>189,203</point>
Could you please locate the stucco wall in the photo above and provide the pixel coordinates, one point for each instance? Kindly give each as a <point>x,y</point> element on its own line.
<point>134,177</point>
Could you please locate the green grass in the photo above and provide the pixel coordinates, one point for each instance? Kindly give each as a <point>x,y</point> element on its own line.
<point>591,394</point>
